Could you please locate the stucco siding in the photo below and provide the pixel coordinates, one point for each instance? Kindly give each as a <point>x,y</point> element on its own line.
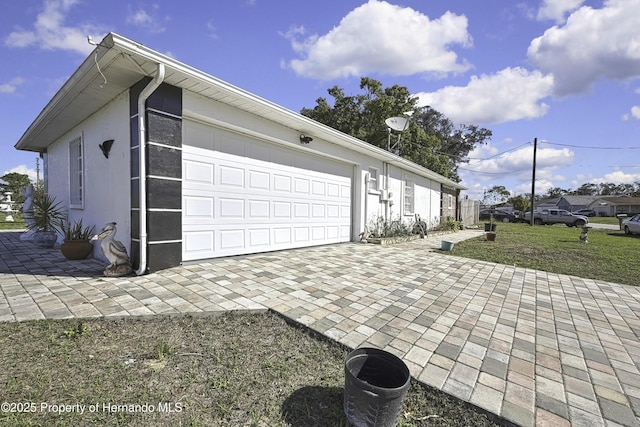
<point>106,181</point>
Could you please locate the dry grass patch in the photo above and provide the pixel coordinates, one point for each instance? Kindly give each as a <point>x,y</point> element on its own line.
<point>240,369</point>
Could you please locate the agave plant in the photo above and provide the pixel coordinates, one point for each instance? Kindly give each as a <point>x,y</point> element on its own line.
<point>76,231</point>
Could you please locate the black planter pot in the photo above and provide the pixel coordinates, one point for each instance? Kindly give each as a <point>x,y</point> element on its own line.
<point>376,383</point>
<point>489,227</point>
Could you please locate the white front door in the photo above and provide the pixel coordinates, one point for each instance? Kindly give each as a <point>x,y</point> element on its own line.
<point>238,204</point>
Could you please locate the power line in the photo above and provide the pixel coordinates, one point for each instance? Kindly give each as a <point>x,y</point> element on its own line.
<point>590,147</point>
<point>492,173</point>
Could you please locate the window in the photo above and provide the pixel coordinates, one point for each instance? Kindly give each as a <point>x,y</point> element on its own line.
<point>408,197</point>
<point>76,178</point>
<point>373,179</point>
<point>449,201</point>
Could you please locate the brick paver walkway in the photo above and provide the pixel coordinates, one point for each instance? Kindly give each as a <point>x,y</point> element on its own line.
<point>533,347</point>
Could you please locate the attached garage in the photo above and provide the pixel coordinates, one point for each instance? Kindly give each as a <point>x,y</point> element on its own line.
<point>247,196</point>
<point>199,168</point>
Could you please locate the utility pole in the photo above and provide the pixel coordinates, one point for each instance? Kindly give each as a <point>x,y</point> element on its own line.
<point>533,177</point>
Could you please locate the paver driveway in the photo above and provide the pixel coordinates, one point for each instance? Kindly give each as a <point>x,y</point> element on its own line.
<point>533,347</point>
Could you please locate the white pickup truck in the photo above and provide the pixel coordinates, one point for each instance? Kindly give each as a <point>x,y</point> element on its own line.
<point>556,216</point>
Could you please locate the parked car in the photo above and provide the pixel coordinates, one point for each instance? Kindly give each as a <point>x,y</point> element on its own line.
<point>498,215</point>
<point>585,212</point>
<point>557,216</point>
<point>632,225</point>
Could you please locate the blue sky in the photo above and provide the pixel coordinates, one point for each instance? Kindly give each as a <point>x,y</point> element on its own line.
<point>564,71</point>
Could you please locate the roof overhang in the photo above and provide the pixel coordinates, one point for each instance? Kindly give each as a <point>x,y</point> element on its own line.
<point>117,63</point>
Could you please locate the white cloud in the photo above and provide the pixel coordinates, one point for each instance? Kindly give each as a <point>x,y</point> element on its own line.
<point>212,30</point>
<point>149,20</point>
<point>618,177</point>
<point>594,43</point>
<point>379,37</point>
<point>556,10</point>
<point>49,31</point>
<point>634,114</point>
<point>510,94</point>
<point>12,85</point>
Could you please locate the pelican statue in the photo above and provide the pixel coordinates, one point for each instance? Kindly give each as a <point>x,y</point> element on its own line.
<point>114,250</point>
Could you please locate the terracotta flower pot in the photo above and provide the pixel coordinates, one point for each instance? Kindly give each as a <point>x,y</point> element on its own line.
<point>491,237</point>
<point>76,249</point>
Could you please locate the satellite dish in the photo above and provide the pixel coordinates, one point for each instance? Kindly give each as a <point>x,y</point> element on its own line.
<point>397,123</point>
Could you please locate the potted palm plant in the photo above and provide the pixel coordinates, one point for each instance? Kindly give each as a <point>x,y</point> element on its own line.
<point>47,216</point>
<point>77,237</point>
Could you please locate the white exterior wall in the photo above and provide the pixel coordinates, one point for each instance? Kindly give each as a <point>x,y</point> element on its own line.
<point>106,181</point>
<point>366,205</point>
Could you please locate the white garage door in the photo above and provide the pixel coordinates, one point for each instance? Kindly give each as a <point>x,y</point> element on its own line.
<point>238,204</point>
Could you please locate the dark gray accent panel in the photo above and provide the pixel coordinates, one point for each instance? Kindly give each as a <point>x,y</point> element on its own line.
<point>166,98</point>
<point>164,129</point>
<point>135,224</point>
<point>162,193</point>
<point>135,254</point>
<point>163,111</point>
<point>163,161</point>
<point>165,255</point>
<point>135,163</point>
<point>165,225</point>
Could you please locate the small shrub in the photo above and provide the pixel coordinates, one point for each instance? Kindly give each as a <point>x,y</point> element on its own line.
<point>448,224</point>
<point>394,228</point>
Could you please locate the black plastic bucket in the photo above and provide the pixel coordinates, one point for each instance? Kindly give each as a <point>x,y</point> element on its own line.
<point>375,385</point>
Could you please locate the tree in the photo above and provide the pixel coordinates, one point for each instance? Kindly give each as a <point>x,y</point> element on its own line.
<point>15,183</point>
<point>431,140</point>
<point>520,203</point>
<point>587,189</point>
<point>555,192</point>
<point>496,195</point>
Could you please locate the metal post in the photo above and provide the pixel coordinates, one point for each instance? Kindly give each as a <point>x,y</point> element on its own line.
<point>533,177</point>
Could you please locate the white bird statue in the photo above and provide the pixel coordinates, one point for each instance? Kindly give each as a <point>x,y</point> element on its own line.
<point>114,250</point>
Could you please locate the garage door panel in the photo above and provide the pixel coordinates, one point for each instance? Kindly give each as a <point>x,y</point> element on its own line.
<point>301,186</point>
<point>258,209</point>
<point>198,244</point>
<point>259,237</point>
<point>199,208</point>
<point>231,208</point>
<point>301,234</point>
<point>281,210</point>
<point>232,239</point>
<point>231,176</point>
<point>199,174</point>
<point>259,180</point>
<point>282,236</point>
<point>282,183</point>
<point>237,205</point>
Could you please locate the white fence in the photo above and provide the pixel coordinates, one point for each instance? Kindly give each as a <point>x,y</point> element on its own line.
<point>469,211</point>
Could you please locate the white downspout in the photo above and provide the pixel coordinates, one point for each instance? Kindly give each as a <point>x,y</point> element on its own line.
<point>142,141</point>
<point>367,179</point>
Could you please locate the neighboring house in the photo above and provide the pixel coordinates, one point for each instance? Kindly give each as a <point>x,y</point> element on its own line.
<point>546,203</point>
<point>575,203</point>
<point>568,203</point>
<point>191,167</point>
<point>614,205</point>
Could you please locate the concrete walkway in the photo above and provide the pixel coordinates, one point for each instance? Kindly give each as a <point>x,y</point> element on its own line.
<point>533,347</point>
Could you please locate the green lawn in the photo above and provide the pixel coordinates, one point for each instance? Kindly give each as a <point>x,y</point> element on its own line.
<point>604,220</point>
<point>17,224</point>
<point>610,255</point>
